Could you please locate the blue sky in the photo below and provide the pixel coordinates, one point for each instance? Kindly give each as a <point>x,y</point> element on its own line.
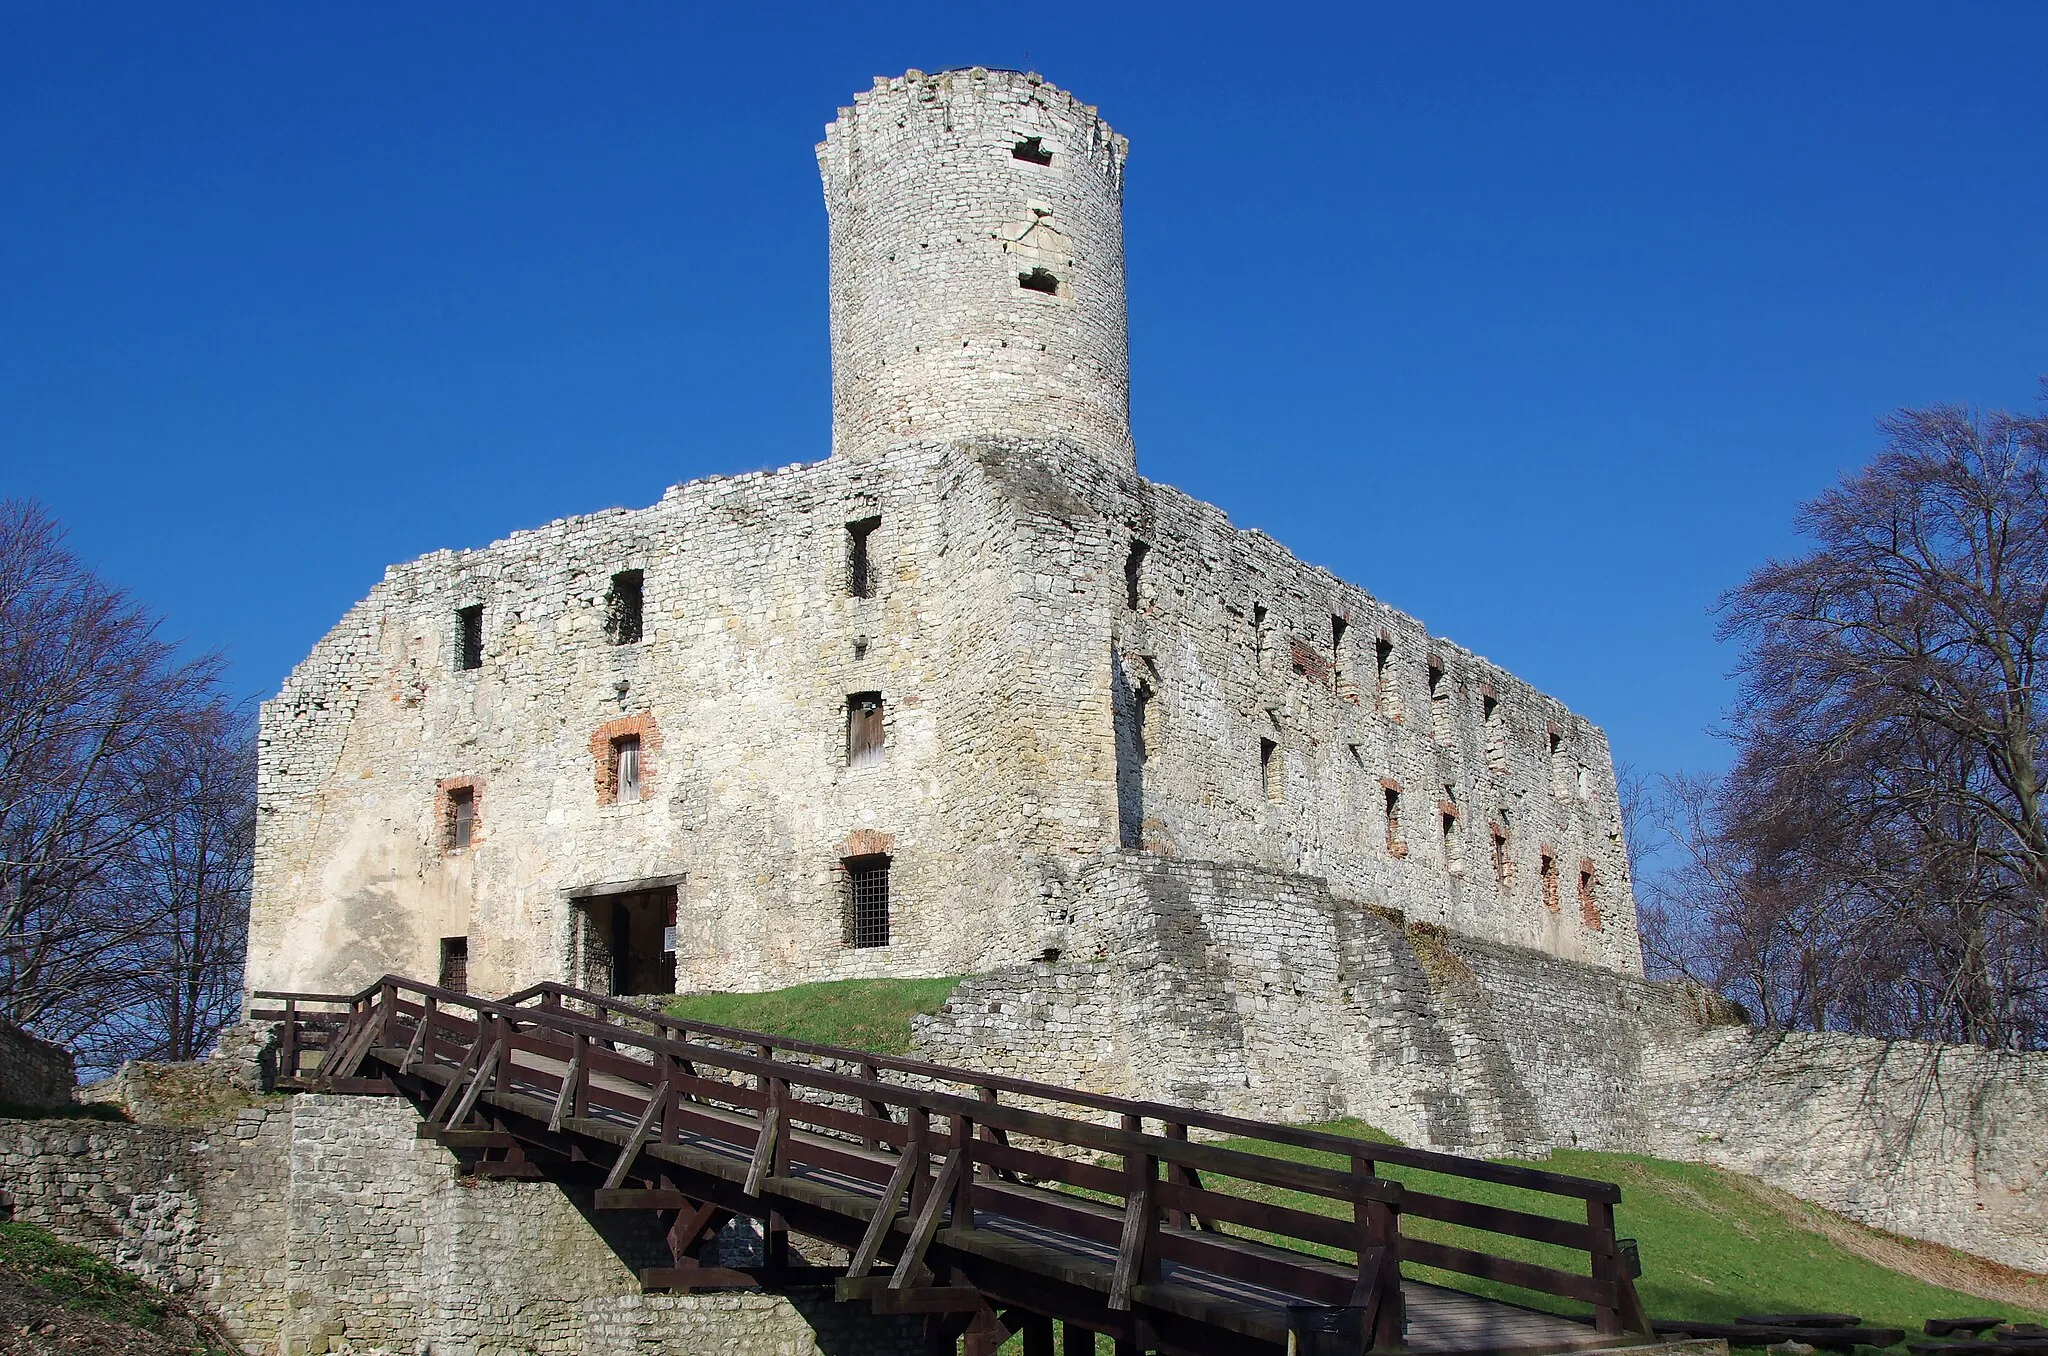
<point>1536,321</point>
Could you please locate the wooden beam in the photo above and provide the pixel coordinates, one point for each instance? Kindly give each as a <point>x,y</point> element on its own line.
<point>885,1213</point>
<point>929,1299</point>
<point>927,1222</point>
<point>631,1150</point>
<point>1131,1249</point>
<point>453,1088</point>
<point>696,1278</point>
<point>476,1084</point>
<point>634,1199</point>
<point>764,1149</point>
<point>567,1095</point>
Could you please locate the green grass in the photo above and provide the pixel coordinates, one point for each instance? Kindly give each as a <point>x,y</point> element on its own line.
<point>78,1280</point>
<point>867,1014</point>
<point>1714,1245</point>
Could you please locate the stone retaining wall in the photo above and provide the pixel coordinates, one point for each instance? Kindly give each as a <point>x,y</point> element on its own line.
<point>318,1223</point>
<point>1260,993</point>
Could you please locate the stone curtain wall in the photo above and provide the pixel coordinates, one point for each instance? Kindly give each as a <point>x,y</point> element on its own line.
<point>1948,1143</point>
<point>320,1220</point>
<point>33,1072</point>
<point>1262,994</point>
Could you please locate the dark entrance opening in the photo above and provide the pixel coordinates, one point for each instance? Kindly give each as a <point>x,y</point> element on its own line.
<point>628,941</point>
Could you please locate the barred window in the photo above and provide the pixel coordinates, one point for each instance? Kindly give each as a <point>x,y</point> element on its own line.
<point>469,636</point>
<point>860,566</point>
<point>455,964</point>
<point>867,900</point>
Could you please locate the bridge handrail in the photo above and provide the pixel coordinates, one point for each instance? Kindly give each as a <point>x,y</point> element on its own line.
<point>1503,1174</point>
<point>1594,1236</point>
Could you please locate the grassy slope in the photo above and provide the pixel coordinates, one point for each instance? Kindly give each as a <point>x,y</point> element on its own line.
<point>1714,1245</point>
<point>867,1014</point>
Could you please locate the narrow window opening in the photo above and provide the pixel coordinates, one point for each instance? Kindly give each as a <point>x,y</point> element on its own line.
<point>1439,702</point>
<point>1502,868</point>
<point>1032,149</point>
<point>455,964</point>
<point>461,810</point>
<point>1385,699</point>
<point>860,570</point>
<point>1141,726</point>
<point>1269,770</point>
<point>626,770</point>
<point>622,608</point>
<point>864,729</point>
<point>1259,633</point>
<point>1396,846</point>
<point>469,636</point>
<point>1548,870</point>
<point>1039,280</point>
<point>867,900</point>
<point>1340,672</point>
<point>1589,904</point>
<point>1496,730</point>
<point>1134,573</point>
<point>1448,814</point>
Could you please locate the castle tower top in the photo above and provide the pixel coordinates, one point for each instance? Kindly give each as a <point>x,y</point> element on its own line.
<point>977,265</point>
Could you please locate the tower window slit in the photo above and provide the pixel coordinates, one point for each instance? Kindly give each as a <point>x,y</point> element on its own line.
<point>1269,769</point>
<point>1033,150</point>
<point>1039,280</point>
<point>1134,573</point>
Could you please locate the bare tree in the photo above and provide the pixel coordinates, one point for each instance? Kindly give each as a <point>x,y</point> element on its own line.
<point>1878,857</point>
<point>109,748</point>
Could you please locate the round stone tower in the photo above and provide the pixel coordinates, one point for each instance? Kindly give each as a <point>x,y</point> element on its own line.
<point>977,256</point>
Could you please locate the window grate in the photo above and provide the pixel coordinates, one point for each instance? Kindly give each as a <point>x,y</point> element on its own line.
<point>469,636</point>
<point>867,900</point>
<point>455,964</point>
<point>860,569</point>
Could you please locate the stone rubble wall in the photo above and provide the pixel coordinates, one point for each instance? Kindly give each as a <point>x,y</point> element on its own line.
<point>33,1072</point>
<point>319,1223</point>
<point>1260,993</point>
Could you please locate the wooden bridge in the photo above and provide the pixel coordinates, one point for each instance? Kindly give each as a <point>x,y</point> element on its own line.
<point>991,1205</point>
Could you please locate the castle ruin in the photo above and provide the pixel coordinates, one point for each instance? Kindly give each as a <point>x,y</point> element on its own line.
<point>896,711</point>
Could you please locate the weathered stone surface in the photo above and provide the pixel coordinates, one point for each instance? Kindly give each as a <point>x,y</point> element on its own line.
<point>320,1219</point>
<point>33,1072</point>
<point>1265,994</point>
<point>1070,657</point>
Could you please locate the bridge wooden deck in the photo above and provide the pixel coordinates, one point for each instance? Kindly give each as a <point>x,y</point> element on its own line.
<point>989,1204</point>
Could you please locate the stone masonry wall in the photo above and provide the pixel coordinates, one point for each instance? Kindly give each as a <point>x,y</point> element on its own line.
<point>317,1220</point>
<point>33,1072</point>
<point>1261,993</point>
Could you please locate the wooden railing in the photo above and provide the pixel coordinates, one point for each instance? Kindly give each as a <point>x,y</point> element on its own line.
<point>1156,1196</point>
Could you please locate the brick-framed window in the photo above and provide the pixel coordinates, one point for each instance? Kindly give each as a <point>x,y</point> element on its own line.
<point>1589,895</point>
<point>1390,794</point>
<point>623,754</point>
<point>867,899</point>
<point>457,802</point>
<point>1546,870</point>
